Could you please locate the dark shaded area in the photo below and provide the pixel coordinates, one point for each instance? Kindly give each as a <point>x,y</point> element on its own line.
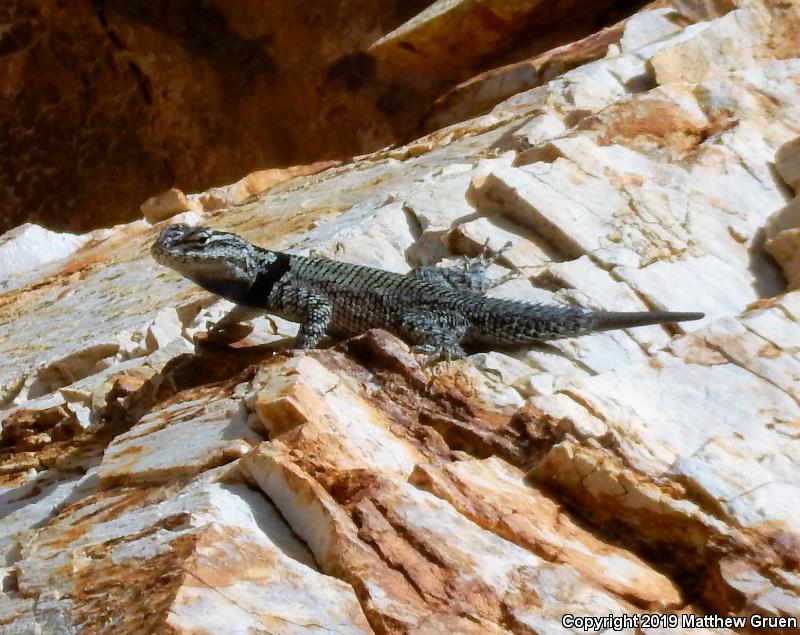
<point>20,29</point>
<point>352,72</point>
<point>202,29</point>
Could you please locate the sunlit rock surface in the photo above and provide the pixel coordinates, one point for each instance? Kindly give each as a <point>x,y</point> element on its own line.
<point>153,479</point>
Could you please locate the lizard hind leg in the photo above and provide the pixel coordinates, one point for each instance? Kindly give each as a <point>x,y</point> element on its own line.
<point>470,276</point>
<point>436,334</point>
<point>474,269</point>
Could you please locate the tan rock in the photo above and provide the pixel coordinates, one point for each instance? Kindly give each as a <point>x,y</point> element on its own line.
<point>213,199</point>
<point>482,92</point>
<point>168,544</point>
<point>785,248</point>
<point>257,182</point>
<point>162,206</point>
<point>382,522</point>
<point>787,163</point>
<point>787,217</point>
<point>430,42</point>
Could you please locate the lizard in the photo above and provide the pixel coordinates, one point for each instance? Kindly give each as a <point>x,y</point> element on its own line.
<point>436,310</point>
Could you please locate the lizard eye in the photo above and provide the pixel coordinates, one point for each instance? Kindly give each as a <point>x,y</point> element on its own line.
<point>201,237</point>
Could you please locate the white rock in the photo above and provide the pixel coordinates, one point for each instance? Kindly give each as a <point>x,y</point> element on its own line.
<point>30,246</point>
<point>648,26</point>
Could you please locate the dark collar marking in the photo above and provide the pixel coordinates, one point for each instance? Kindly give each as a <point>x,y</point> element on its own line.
<point>258,293</point>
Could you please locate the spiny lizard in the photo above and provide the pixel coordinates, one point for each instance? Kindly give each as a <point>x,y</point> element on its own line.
<point>434,309</point>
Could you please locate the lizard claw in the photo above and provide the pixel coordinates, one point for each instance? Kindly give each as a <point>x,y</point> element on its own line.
<point>434,354</point>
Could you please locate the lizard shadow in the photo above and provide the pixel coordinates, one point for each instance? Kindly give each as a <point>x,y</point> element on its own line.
<point>239,352</point>
<point>768,277</point>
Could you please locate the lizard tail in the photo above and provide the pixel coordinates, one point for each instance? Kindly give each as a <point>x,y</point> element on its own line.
<point>507,322</point>
<point>608,320</point>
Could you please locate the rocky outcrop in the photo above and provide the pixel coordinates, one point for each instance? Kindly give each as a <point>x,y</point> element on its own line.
<point>155,479</point>
<point>106,102</point>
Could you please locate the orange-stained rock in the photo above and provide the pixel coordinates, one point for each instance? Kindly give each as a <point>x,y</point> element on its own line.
<point>452,34</point>
<point>478,94</point>
<point>494,495</point>
<point>258,182</point>
<point>164,205</point>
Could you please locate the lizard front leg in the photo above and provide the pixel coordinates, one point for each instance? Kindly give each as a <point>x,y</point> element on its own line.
<point>295,301</point>
<point>317,314</point>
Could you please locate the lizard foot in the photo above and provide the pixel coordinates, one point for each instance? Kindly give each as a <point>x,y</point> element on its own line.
<point>470,275</point>
<point>434,354</point>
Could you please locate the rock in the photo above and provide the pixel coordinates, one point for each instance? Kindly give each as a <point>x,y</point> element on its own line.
<point>30,249</point>
<point>785,248</point>
<point>164,205</point>
<point>156,479</point>
<point>258,182</point>
<point>787,163</point>
<point>480,93</point>
<point>205,93</point>
<point>450,33</point>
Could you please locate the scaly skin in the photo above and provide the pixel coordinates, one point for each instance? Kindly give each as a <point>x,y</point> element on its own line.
<point>434,309</point>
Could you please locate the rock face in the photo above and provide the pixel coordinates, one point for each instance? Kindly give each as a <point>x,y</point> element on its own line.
<point>113,100</point>
<point>156,480</point>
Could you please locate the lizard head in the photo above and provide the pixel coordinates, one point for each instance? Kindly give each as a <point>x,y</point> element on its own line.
<point>218,261</point>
